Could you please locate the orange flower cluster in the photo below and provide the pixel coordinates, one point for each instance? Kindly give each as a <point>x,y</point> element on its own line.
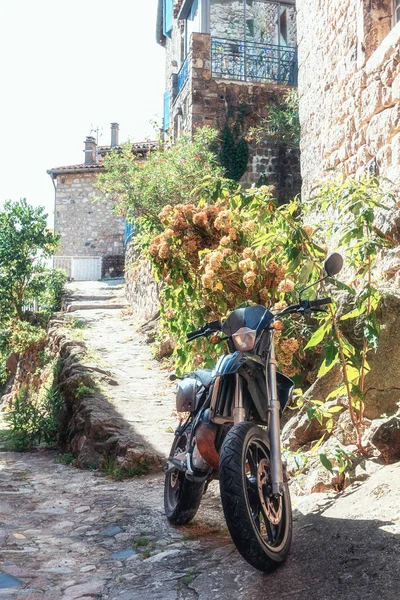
<point>212,243</point>
<point>286,349</point>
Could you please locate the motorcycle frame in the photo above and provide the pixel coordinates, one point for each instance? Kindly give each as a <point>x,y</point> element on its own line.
<point>273,408</point>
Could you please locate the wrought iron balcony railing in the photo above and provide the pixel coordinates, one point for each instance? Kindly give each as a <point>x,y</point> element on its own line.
<point>249,61</point>
<point>183,74</point>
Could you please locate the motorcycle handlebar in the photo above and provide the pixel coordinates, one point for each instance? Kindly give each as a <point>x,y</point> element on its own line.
<point>205,330</point>
<point>320,302</point>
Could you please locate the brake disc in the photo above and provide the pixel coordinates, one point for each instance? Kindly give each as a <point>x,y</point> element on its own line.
<point>272,506</point>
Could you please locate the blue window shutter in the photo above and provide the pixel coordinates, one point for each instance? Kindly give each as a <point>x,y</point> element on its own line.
<point>168,17</point>
<point>167,113</point>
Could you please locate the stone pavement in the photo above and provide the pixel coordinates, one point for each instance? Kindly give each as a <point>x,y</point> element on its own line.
<point>73,535</point>
<point>139,390</point>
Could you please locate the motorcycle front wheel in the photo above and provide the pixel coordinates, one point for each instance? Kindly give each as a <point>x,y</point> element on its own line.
<point>259,523</point>
<point>181,497</point>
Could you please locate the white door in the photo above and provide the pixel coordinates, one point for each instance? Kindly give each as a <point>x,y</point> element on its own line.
<point>86,268</point>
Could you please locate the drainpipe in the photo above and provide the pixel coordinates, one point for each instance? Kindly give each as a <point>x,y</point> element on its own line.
<point>54,210</point>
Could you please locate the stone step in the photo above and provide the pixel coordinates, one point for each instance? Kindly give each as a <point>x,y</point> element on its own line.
<point>89,297</point>
<point>74,306</point>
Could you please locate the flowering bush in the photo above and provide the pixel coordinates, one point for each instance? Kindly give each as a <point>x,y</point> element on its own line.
<point>216,257</point>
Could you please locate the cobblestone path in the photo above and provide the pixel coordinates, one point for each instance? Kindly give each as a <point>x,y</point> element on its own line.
<point>77,535</point>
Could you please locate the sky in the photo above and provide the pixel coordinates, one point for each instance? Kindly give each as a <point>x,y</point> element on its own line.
<point>66,68</point>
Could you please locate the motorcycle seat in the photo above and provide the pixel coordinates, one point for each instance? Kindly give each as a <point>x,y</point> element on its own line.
<point>205,376</point>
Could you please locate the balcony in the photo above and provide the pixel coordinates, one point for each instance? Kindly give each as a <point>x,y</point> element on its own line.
<point>183,74</point>
<point>249,61</point>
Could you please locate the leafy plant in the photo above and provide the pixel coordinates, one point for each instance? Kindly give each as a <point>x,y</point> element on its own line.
<point>189,577</point>
<point>66,459</point>
<point>111,469</point>
<point>213,258</point>
<point>282,124</point>
<point>141,542</point>
<point>243,249</point>
<point>346,213</point>
<point>75,323</point>
<point>84,390</point>
<point>339,461</point>
<point>171,174</point>
<point>32,422</point>
<point>234,154</point>
<point>24,337</point>
<point>24,242</point>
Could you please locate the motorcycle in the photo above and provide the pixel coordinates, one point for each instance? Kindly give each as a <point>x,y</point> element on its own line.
<point>232,432</point>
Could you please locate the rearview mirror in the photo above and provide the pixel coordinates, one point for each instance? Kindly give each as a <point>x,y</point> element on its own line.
<point>333,264</point>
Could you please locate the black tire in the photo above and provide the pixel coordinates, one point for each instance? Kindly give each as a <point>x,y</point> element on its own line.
<point>260,526</point>
<point>181,497</point>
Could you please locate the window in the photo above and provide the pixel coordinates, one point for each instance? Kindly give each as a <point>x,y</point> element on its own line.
<point>259,21</point>
<point>379,18</point>
<point>192,24</point>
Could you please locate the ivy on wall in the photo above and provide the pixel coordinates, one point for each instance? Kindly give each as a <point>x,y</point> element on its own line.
<point>234,154</point>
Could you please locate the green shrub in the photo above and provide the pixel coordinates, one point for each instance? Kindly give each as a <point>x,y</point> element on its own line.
<point>171,174</point>
<point>32,422</point>
<point>25,336</point>
<point>23,239</point>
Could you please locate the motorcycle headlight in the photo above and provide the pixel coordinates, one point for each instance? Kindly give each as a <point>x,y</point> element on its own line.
<point>244,339</point>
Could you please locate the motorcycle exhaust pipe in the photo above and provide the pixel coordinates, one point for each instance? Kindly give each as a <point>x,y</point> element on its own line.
<point>205,440</point>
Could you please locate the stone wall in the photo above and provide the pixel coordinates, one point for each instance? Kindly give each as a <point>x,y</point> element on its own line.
<point>142,291</point>
<point>205,101</point>
<point>349,84</point>
<point>87,228</point>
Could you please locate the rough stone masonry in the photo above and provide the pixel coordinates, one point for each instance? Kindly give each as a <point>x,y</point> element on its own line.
<point>349,85</point>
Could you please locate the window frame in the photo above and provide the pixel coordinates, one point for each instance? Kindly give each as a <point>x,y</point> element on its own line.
<point>395,13</point>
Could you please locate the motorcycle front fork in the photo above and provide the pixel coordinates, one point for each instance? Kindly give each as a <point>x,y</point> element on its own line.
<point>274,424</point>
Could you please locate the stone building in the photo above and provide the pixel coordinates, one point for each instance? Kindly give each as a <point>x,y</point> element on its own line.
<point>349,87</point>
<point>226,61</point>
<point>92,236</point>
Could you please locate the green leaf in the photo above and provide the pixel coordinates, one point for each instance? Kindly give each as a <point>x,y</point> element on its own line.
<point>317,337</point>
<point>343,287</point>
<point>329,425</point>
<point>326,367</point>
<point>353,373</point>
<point>339,391</point>
<point>348,349</point>
<point>326,462</point>
<point>305,272</point>
<point>311,412</point>
<point>353,314</point>
<point>317,445</point>
<point>372,335</point>
<point>335,409</point>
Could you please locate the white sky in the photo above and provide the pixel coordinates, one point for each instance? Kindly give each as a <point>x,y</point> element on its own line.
<point>65,67</point>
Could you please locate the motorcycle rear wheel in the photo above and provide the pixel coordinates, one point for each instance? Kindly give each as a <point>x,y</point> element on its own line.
<point>260,525</point>
<point>181,497</point>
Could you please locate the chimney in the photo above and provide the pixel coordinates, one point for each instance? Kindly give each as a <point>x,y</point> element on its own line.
<point>114,135</point>
<point>90,150</point>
